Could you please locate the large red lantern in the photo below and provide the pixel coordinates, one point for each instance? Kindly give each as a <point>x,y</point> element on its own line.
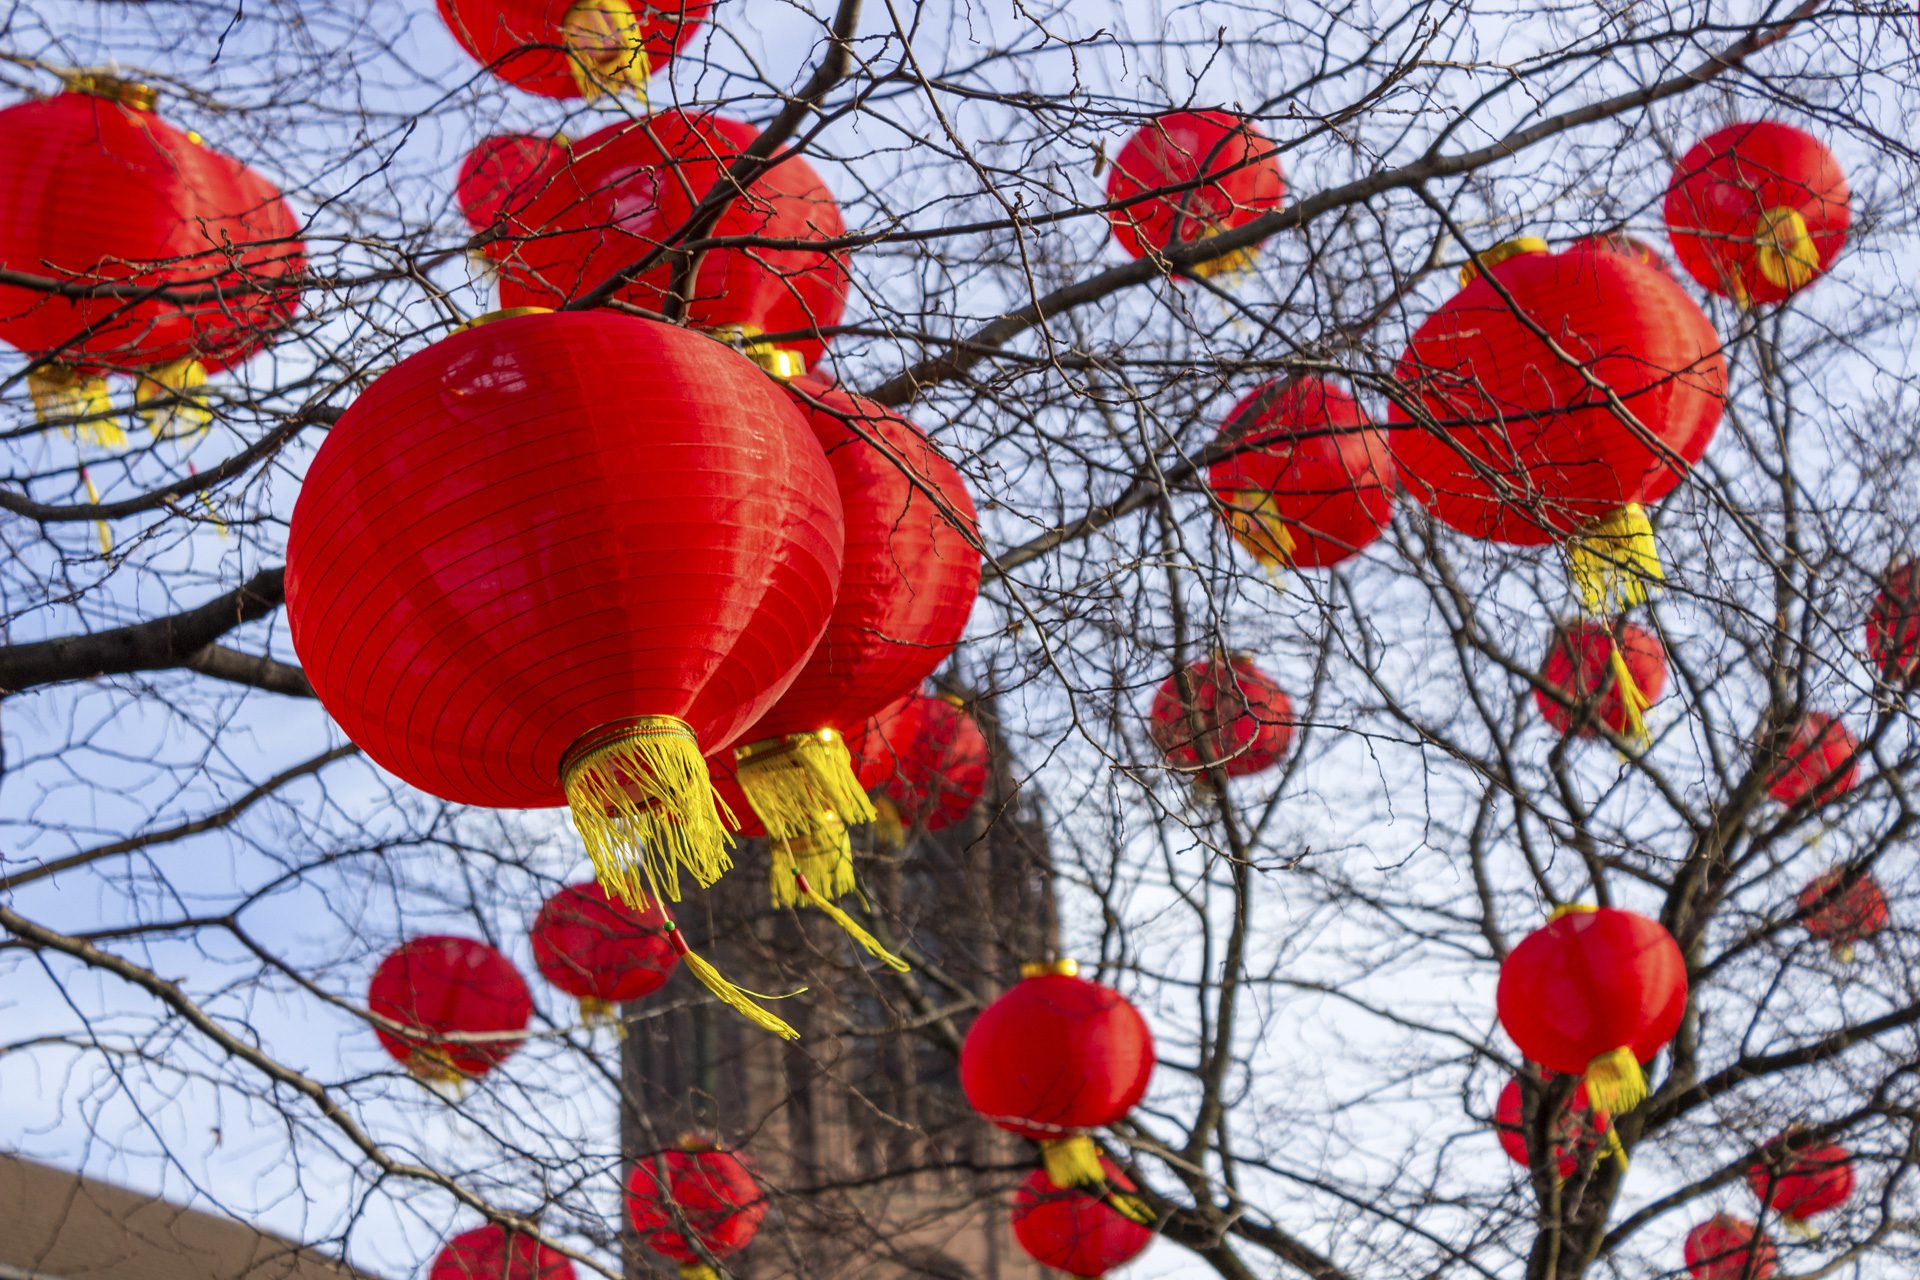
<point>1530,439</point>
<point>1728,1248</point>
<point>1893,624</point>
<point>492,1253</point>
<point>1216,172</point>
<point>1594,993</point>
<point>438,986</point>
<point>1055,1057</point>
<point>1311,483</point>
<point>1801,1178</point>
<point>1073,1231</point>
<point>932,760</point>
<point>104,195</point>
<point>632,186</point>
<point>1843,908</point>
<point>1758,211</point>
<point>513,588</point>
<point>1629,246</point>
<point>574,48</point>
<point>1576,1129</point>
<point>601,951</point>
<point>1820,762</point>
<point>1231,716</point>
<point>499,178</point>
<point>698,1195</point>
<point>1600,674</point>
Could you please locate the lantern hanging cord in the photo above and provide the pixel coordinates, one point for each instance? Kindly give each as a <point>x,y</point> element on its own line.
<point>1613,560</point>
<point>645,808</point>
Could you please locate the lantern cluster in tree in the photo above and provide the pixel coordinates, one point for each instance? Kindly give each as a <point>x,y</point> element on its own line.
<point>492,1253</point>
<point>1819,763</point>
<point>1728,1248</point>
<point>1843,908</point>
<point>1072,1230</point>
<point>573,48</point>
<point>1801,1178</point>
<point>1190,175</point>
<point>179,259</point>
<point>1595,992</point>
<point>499,178</point>
<point>1230,715</point>
<point>693,1199</point>
<point>1309,482</point>
<point>1576,1128</point>
<point>1758,211</point>
<point>438,986</point>
<point>1601,674</point>
<point>600,950</point>
<point>1055,1057</point>
<point>932,762</point>
<point>1893,624</point>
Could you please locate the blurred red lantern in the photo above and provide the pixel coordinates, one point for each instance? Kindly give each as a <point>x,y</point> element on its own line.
<point>1070,1230</point>
<point>1842,910</point>
<point>1893,625</point>
<point>1594,993</point>
<point>1054,1057</point>
<point>107,195</point>
<point>632,186</point>
<point>574,48</point>
<point>698,1194</point>
<point>1226,172</point>
<point>1801,1178</point>
<point>1629,246</point>
<point>1524,443</point>
<point>1313,483</point>
<point>1576,1129</point>
<point>1601,674</point>
<point>1819,764</point>
<point>499,178</point>
<point>1728,1248</point>
<point>512,590</point>
<point>601,951</point>
<point>1758,211</point>
<point>932,761</point>
<point>490,1253</point>
<point>1232,715</point>
<point>438,986</point>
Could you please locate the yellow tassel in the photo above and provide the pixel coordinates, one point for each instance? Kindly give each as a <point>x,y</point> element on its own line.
<point>1072,1162</point>
<point>1572,909</point>
<point>1231,265</point>
<point>99,526</point>
<point>1258,527</point>
<point>1801,1227</point>
<point>1842,952</point>
<point>697,1271</point>
<point>645,808</point>
<point>171,400</point>
<point>1615,1083</point>
<point>1132,1208</point>
<point>62,392</point>
<point>867,942</point>
<point>606,48</point>
<point>1632,700</point>
<point>824,856</point>
<point>792,781</point>
<point>736,998</point>
<point>1613,559</point>
<point>206,504</point>
<point>1786,254</point>
<point>889,828</point>
<point>434,1069</point>
<point>1615,1149</point>
<point>595,1012</point>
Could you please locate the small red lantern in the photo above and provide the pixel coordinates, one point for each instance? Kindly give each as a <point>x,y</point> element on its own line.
<point>629,190</point>
<point>933,763</point>
<point>574,48</point>
<point>1820,763</point>
<point>1598,674</point>
<point>1232,716</point>
<point>499,179</point>
<point>1054,1057</point>
<point>1217,171</point>
<point>1728,1248</point>
<point>1594,993</point>
<point>1893,625</point>
<point>1801,1178</point>
<point>438,986</point>
<point>1576,1130</point>
<point>1758,211</point>
<point>696,1194</point>
<point>1069,1230</point>
<point>601,951</point>
<point>1843,909</point>
<point>1312,484</point>
<point>491,1253</point>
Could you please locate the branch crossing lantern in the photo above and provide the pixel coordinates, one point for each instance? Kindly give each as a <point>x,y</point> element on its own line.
<point>574,48</point>
<point>440,986</point>
<point>695,1203</point>
<point>1188,176</point>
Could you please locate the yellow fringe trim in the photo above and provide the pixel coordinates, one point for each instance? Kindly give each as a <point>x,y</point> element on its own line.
<point>1260,529</point>
<point>1072,1162</point>
<point>739,999</point>
<point>171,401</point>
<point>1613,559</point>
<point>889,828</point>
<point>834,912</point>
<point>1130,1207</point>
<point>792,781</point>
<point>606,49</point>
<point>1842,952</point>
<point>698,1271</point>
<point>1800,1227</point>
<point>1786,254</point>
<point>100,527</point>
<point>1232,265</point>
<point>62,392</point>
<point>645,808</point>
<point>1615,1083</point>
<point>824,856</point>
<point>1632,700</point>
<point>595,1012</point>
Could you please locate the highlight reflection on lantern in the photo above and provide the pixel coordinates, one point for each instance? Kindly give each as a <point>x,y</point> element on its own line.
<point>439,986</point>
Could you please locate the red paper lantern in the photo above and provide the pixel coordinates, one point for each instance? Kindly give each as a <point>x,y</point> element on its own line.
<point>1801,1178</point>
<point>1893,625</point>
<point>631,188</point>
<point>1594,993</point>
<point>1576,1130</point>
<point>1234,717</point>
<point>499,178</point>
<point>105,193</point>
<point>1819,764</point>
<point>1054,1057</point>
<point>490,1253</point>
<point>1313,484</point>
<point>932,760</point>
<point>574,48</point>
<point>1629,246</point>
<point>601,951</point>
<point>1599,674</point>
<point>511,589</point>
<point>698,1193</point>
<point>1524,443</point>
<point>1071,1231</point>
<point>1228,173</point>
<point>1758,211</point>
<point>1728,1248</point>
<point>437,986</point>
<point>1841,911</point>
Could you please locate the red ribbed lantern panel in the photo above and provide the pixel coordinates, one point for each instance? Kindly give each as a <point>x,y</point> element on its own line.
<point>1758,211</point>
<point>499,178</point>
<point>1728,1248</point>
<point>489,1253</point>
<point>1575,1130</point>
<point>1800,1178</point>
<point>1232,164</point>
<point>1819,764</point>
<point>1238,718</point>
<point>1580,668</point>
<point>713,1193</point>
<point>445,985</point>
<point>932,760</point>
<point>598,949</point>
<point>1893,625</point>
<point>1071,1231</point>
<point>524,42</point>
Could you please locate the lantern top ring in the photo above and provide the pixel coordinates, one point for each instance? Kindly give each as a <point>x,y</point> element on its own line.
<point>1050,969</point>
<point>506,313</point>
<point>1571,909</point>
<point>595,742</point>
<point>1487,259</point>
<point>131,94</point>
<point>769,747</point>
